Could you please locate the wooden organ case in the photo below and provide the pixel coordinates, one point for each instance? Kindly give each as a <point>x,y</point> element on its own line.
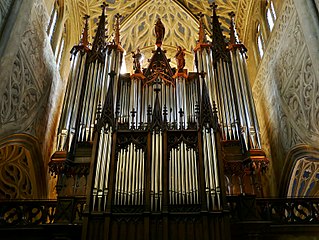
<point>155,152</point>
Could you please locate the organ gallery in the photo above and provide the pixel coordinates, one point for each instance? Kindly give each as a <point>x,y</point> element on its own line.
<point>159,119</point>
<point>161,146</point>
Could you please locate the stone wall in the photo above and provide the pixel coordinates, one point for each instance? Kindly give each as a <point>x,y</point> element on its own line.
<point>5,7</point>
<point>30,84</point>
<point>286,88</point>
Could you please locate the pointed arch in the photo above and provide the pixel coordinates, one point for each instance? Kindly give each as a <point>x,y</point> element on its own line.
<point>300,177</point>
<point>22,171</point>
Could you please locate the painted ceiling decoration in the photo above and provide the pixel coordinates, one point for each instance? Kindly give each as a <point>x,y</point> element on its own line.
<point>180,18</point>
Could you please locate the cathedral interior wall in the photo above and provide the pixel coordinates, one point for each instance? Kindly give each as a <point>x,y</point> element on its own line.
<point>30,85</point>
<point>286,88</point>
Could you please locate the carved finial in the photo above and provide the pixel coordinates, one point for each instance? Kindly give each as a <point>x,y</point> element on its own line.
<point>159,32</point>
<point>201,32</point>
<point>218,40</point>
<point>232,34</point>
<point>214,7</point>
<point>85,35</point>
<point>104,6</point>
<point>99,39</point>
<point>117,28</point>
<point>234,42</point>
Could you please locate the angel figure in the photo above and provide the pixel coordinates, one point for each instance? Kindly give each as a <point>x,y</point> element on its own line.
<point>138,57</point>
<point>180,59</point>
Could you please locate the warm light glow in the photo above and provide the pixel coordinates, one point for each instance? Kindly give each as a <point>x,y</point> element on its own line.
<point>123,67</point>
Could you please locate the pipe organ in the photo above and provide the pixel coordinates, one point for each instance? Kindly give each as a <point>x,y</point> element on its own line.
<point>163,145</point>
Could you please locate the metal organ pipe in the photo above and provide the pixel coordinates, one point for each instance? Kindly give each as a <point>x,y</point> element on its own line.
<point>183,184</point>
<point>211,170</point>
<point>222,101</point>
<point>250,100</point>
<point>229,96</point>
<point>153,173</point>
<point>71,102</point>
<point>100,185</point>
<point>235,106</point>
<point>242,107</point>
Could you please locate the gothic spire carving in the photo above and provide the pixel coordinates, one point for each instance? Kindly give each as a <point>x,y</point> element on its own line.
<point>99,43</point>
<point>233,38</point>
<point>202,41</point>
<point>218,39</point>
<point>206,112</point>
<point>107,115</point>
<point>159,67</point>
<point>117,38</point>
<point>84,42</point>
<point>232,35</point>
<point>201,30</point>
<point>85,35</point>
<point>157,112</point>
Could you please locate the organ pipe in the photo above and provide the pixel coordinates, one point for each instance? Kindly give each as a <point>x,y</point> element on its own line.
<point>137,121</point>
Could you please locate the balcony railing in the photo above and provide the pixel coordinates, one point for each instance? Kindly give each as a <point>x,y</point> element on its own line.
<point>275,210</point>
<point>39,212</point>
<point>242,208</point>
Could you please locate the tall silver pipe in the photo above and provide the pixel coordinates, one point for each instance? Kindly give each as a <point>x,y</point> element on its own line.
<point>212,173</point>
<point>183,173</point>
<point>160,169</point>
<point>153,173</point>
<point>120,176</point>
<point>97,171</point>
<point>223,111</point>
<point>117,178</point>
<point>170,177</point>
<point>187,171</point>
<point>122,172</point>
<point>233,102</point>
<point>130,176</point>
<point>156,191</point>
<point>206,164</point>
<point>190,173</point>
<point>140,176</point>
<point>179,175</point>
<point>243,116</point>
<point>143,175</point>
<point>216,172</point>
<point>228,96</point>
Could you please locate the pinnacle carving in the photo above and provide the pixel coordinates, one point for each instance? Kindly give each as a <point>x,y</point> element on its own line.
<point>201,31</point>
<point>84,39</point>
<point>218,39</point>
<point>233,38</point>
<point>99,39</point>
<point>117,38</point>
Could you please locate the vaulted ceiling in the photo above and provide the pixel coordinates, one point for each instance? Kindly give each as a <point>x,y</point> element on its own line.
<point>180,18</point>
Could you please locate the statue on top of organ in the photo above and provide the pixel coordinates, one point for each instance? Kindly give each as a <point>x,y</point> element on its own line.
<point>158,139</point>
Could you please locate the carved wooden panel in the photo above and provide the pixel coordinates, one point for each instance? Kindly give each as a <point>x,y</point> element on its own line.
<point>17,179</point>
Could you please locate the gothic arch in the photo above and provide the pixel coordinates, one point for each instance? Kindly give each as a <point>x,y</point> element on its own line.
<point>300,176</point>
<point>137,29</point>
<point>22,172</point>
